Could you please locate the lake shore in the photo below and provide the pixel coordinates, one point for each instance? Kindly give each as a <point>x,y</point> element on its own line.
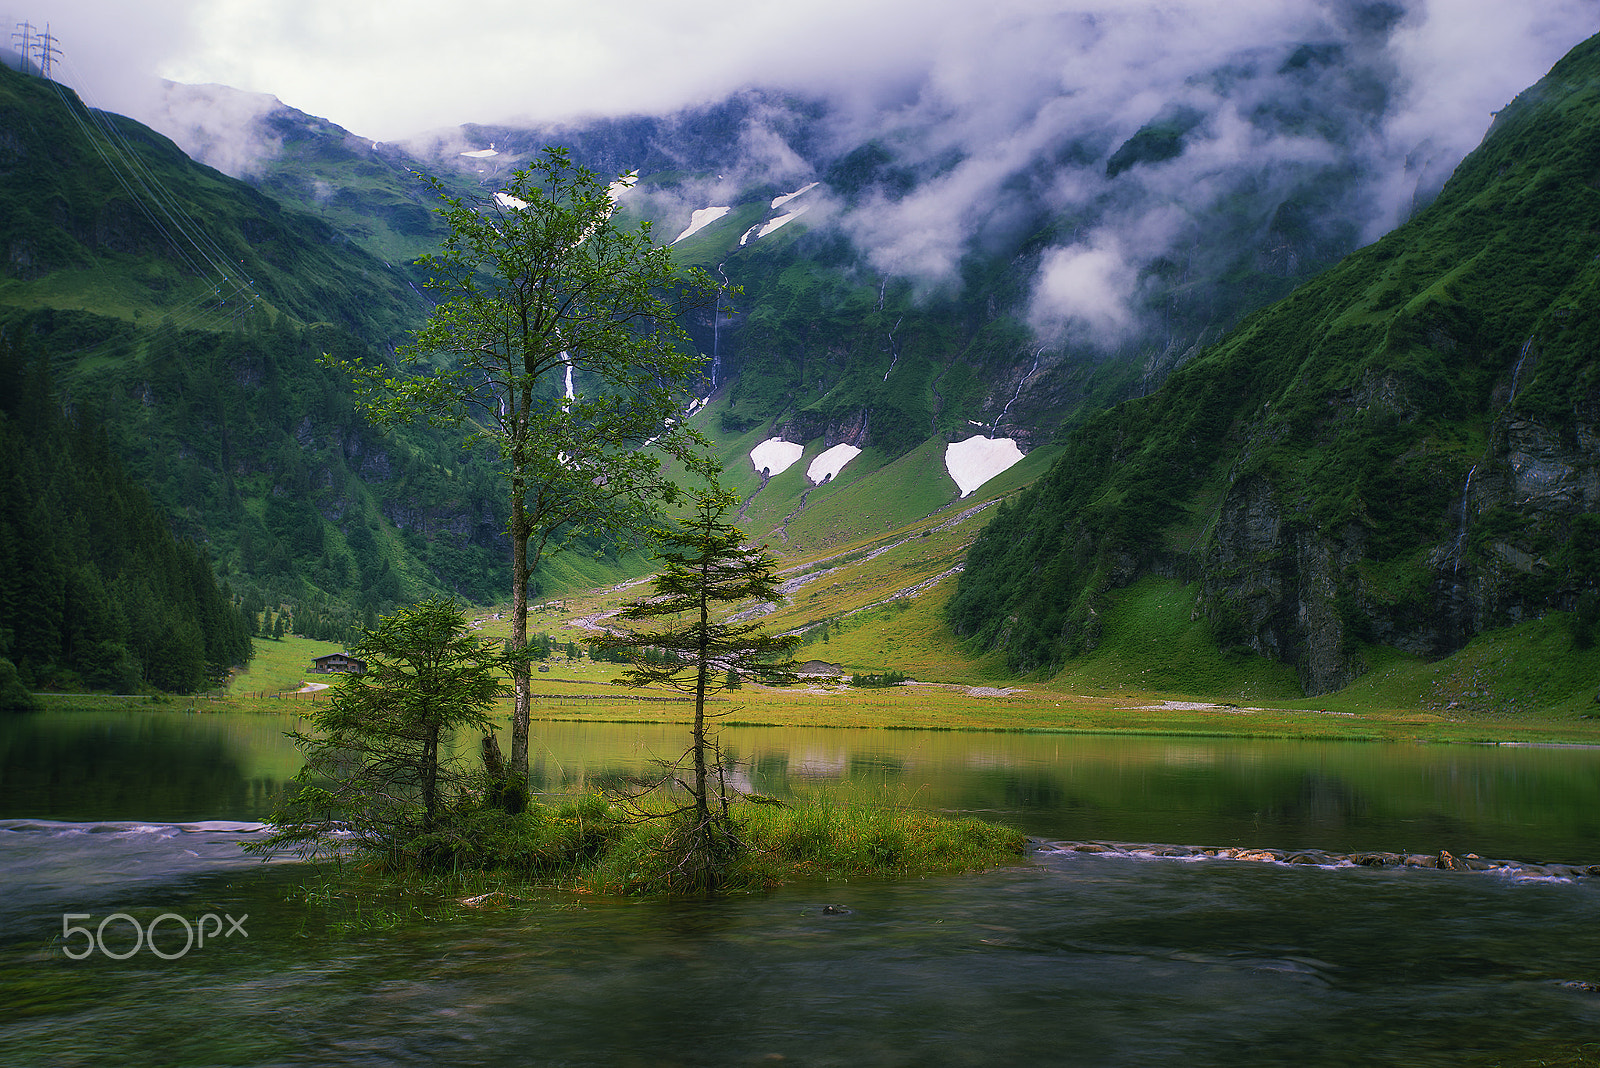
<point>583,695</point>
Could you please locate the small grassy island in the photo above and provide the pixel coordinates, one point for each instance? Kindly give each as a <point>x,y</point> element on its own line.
<point>596,845</point>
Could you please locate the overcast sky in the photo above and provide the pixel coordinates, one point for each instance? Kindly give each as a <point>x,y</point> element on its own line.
<point>974,92</point>
<point>390,68</point>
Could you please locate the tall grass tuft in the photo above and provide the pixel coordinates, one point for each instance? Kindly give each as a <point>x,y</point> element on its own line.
<point>818,837</point>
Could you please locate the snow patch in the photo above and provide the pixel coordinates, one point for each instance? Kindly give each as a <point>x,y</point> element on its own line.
<point>506,200</point>
<point>978,459</point>
<point>700,219</point>
<point>622,185</point>
<point>830,463</point>
<point>482,153</point>
<point>767,228</point>
<point>778,202</point>
<point>776,455</point>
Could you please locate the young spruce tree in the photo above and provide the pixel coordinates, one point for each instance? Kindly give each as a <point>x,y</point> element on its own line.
<point>377,761</point>
<point>705,565</point>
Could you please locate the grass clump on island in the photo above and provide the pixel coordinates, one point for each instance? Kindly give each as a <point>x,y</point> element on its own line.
<point>809,838</point>
<point>600,845</point>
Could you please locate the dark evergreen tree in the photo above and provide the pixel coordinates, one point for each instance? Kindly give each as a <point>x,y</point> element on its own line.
<point>705,565</point>
<point>95,590</point>
<point>378,762</point>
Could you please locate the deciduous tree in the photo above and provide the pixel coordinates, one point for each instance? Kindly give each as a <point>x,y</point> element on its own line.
<point>556,340</point>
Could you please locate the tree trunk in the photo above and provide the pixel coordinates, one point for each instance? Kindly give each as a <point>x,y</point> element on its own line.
<point>710,854</point>
<point>702,806</point>
<point>430,778</point>
<point>520,677</point>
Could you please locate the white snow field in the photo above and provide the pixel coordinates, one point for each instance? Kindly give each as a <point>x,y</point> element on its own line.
<point>700,219</point>
<point>830,463</point>
<point>978,459</point>
<point>778,202</point>
<point>767,228</point>
<point>776,455</point>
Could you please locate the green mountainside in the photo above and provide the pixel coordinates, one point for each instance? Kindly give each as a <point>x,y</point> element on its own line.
<point>1403,453</point>
<point>189,311</point>
<point>1399,454</point>
<point>100,213</point>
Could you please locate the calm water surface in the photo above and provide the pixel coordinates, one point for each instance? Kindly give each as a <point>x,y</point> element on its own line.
<point>1066,959</point>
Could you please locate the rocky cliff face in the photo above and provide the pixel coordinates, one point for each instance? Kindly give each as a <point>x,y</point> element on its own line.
<point>1308,595</point>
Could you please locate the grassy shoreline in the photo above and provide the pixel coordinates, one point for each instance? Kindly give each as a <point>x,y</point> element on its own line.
<point>1400,700</point>
<point>1030,710</point>
<point>596,846</point>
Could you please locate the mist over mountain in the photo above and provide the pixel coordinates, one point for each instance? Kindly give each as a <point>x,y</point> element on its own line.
<point>1083,195</point>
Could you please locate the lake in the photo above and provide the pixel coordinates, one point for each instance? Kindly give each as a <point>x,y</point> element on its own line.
<point>1068,958</point>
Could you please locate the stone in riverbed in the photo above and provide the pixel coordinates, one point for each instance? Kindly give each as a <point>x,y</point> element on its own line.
<point>1258,855</point>
<point>1375,860</point>
<point>1308,856</point>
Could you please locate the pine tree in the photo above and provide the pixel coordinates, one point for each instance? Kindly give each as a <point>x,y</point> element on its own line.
<point>705,564</point>
<point>378,760</point>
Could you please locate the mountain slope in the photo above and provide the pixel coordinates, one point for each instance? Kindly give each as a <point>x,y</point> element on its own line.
<point>189,311</point>
<point>1402,453</point>
<point>94,589</point>
<point>98,212</point>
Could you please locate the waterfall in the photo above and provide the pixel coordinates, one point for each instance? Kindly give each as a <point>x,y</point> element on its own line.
<point>716,331</point>
<point>1461,534</point>
<point>893,352</point>
<point>1018,393</point>
<point>1517,371</point>
<point>500,398</point>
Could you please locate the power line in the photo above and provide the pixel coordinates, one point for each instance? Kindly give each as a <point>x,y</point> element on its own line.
<point>167,214</point>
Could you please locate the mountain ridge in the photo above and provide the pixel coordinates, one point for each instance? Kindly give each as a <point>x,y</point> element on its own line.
<point>1401,453</point>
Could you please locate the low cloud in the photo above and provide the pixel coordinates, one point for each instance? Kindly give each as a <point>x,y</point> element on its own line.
<point>219,126</point>
<point>1006,113</point>
<point>1085,288</point>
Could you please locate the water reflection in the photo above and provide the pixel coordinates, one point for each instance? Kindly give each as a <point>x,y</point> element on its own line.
<point>157,765</point>
<point>1070,959</point>
<point>1517,803</point>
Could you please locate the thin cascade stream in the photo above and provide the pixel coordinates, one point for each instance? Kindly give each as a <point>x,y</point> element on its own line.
<point>1461,529</point>
<point>995,426</point>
